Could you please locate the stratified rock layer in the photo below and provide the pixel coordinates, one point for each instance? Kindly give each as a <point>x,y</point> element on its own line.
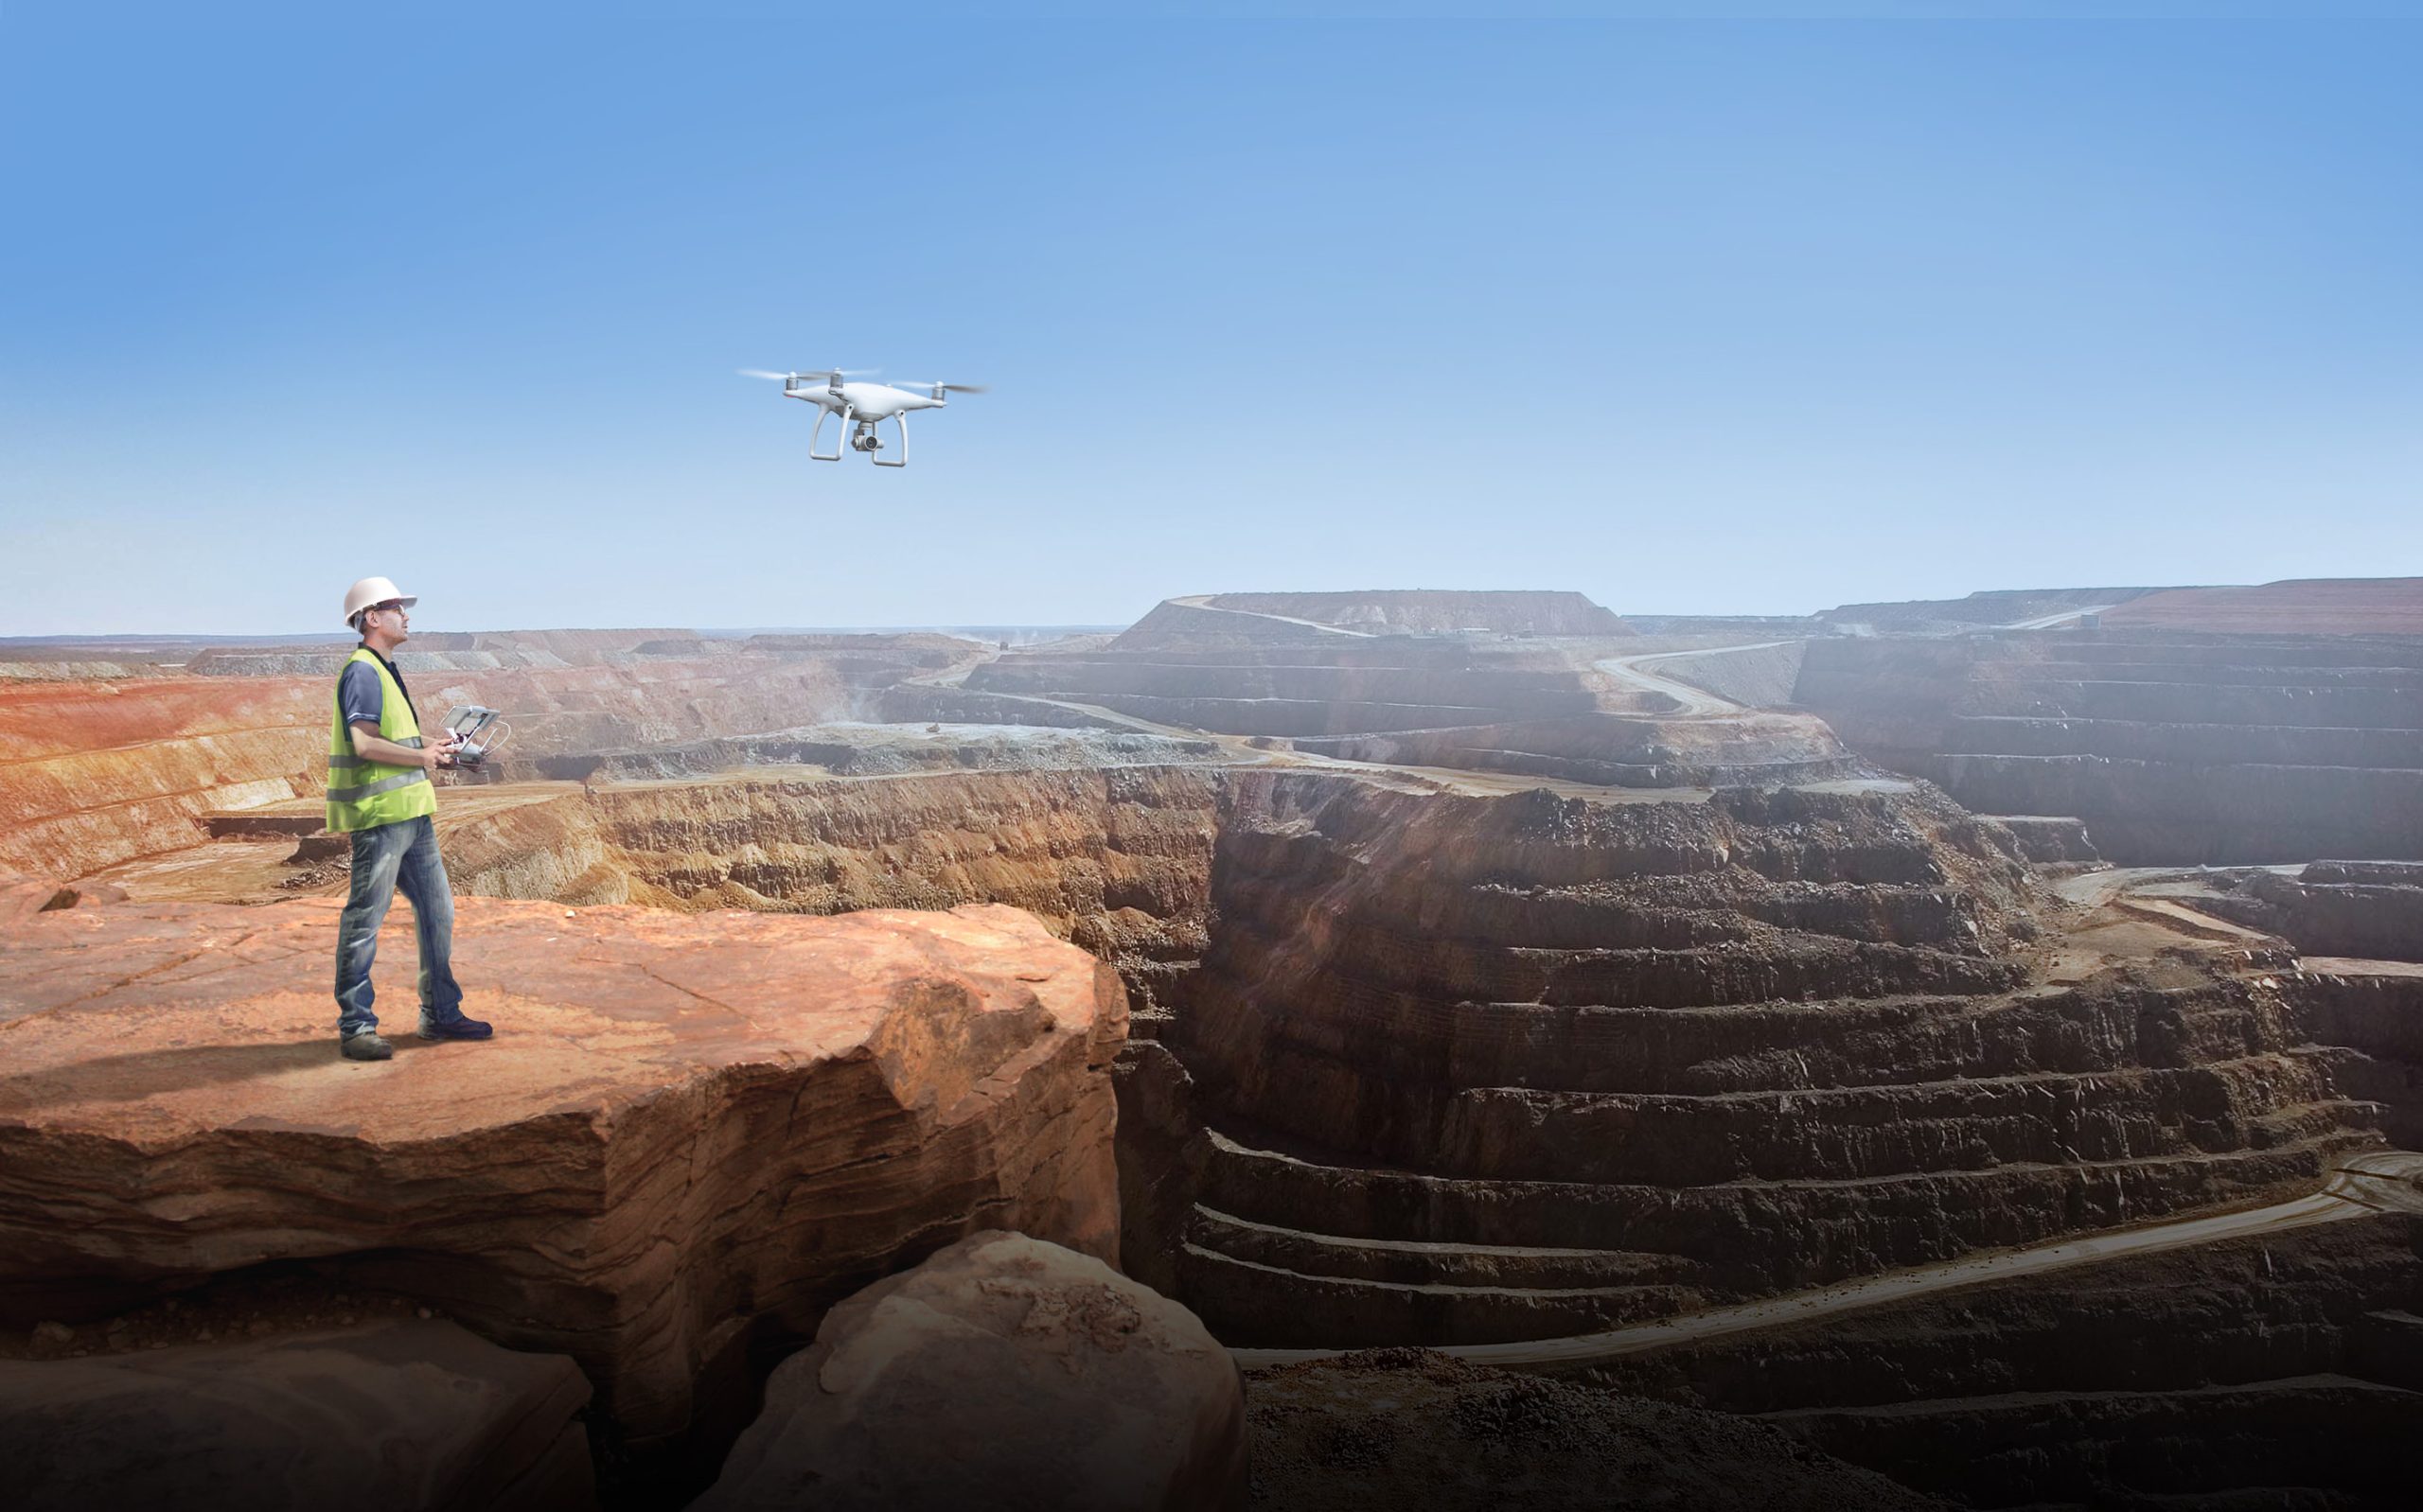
<point>395,1416</point>
<point>689,1131</point>
<point>1002,1373</point>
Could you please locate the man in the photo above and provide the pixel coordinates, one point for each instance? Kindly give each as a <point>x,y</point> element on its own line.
<point>381,792</point>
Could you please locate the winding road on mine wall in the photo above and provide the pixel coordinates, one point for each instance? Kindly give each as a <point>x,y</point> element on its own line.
<point>2383,1181</point>
<point>1693,703</point>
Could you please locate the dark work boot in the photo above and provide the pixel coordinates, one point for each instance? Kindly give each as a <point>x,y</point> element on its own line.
<point>454,1028</point>
<point>368,1045</point>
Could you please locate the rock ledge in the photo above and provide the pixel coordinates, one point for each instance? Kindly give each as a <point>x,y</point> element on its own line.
<point>689,1133</point>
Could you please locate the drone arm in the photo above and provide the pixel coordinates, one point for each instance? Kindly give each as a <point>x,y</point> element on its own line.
<point>902,419</point>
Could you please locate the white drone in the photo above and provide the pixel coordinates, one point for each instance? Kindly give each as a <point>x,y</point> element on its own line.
<point>861,405</point>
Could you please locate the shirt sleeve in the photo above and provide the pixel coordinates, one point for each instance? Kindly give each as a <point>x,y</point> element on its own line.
<point>359,694</point>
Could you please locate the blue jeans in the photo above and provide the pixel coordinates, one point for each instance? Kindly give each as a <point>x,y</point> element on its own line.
<point>403,855</point>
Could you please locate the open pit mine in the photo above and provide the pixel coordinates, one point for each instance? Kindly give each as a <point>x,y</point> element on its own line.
<point>1306,1050</point>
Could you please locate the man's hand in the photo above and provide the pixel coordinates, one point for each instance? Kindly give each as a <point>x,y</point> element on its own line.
<point>369,746</point>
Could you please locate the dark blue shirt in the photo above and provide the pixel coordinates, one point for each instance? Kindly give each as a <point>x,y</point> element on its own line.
<point>360,696</point>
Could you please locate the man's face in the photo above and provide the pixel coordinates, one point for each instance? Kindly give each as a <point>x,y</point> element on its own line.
<point>391,619</point>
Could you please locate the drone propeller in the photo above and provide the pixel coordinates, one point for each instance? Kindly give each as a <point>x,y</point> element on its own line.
<point>948,388</point>
<point>809,373</point>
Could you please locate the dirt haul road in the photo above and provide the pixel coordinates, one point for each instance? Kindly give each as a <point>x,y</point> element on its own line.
<point>1696,703</point>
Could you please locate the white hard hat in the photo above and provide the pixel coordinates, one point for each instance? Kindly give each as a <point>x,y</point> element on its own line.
<point>373,590</point>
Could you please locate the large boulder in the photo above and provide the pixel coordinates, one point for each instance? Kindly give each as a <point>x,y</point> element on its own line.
<point>392,1417</point>
<point>1002,1373</point>
<point>691,1135</point>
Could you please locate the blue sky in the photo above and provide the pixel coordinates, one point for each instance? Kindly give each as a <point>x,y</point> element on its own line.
<point>1726,316</point>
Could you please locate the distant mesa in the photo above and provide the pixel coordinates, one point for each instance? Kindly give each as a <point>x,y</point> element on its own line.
<point>2296,606</point>
<point>1274,619</point>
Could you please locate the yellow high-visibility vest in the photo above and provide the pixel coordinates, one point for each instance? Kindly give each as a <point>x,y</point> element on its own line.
<point>364,794</point>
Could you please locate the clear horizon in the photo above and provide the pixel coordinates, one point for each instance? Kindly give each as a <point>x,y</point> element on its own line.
<point>1732,317</point>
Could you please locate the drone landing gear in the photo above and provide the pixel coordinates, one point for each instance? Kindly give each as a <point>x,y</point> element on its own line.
<point>873,444</point>
<point>822,416</point>
<point>860,433</point>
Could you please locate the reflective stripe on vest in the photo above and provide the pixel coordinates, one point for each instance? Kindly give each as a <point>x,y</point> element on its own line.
<point>375,793</point>
<point>339,764</point>
<point>385,784</point>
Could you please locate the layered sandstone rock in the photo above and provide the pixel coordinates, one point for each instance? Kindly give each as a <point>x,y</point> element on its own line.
<point>1002,1371</point>
<point>396,1417</point>
<point>690,1134</point>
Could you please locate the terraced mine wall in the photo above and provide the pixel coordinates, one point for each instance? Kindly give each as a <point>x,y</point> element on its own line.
<point>2370,910</point>
<point>1344,687</point>
<point>1537,712</point>
<point>1116,860</point>
<point>2379,1018</point>
<point>2173,748</point>
<point>1619,751</point>
<point>94,773</point>
<point>1480,1069</point>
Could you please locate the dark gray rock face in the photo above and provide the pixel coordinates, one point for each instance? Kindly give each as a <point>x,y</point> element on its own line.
<point>385,1417</point>
<point>1391,1429</point>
